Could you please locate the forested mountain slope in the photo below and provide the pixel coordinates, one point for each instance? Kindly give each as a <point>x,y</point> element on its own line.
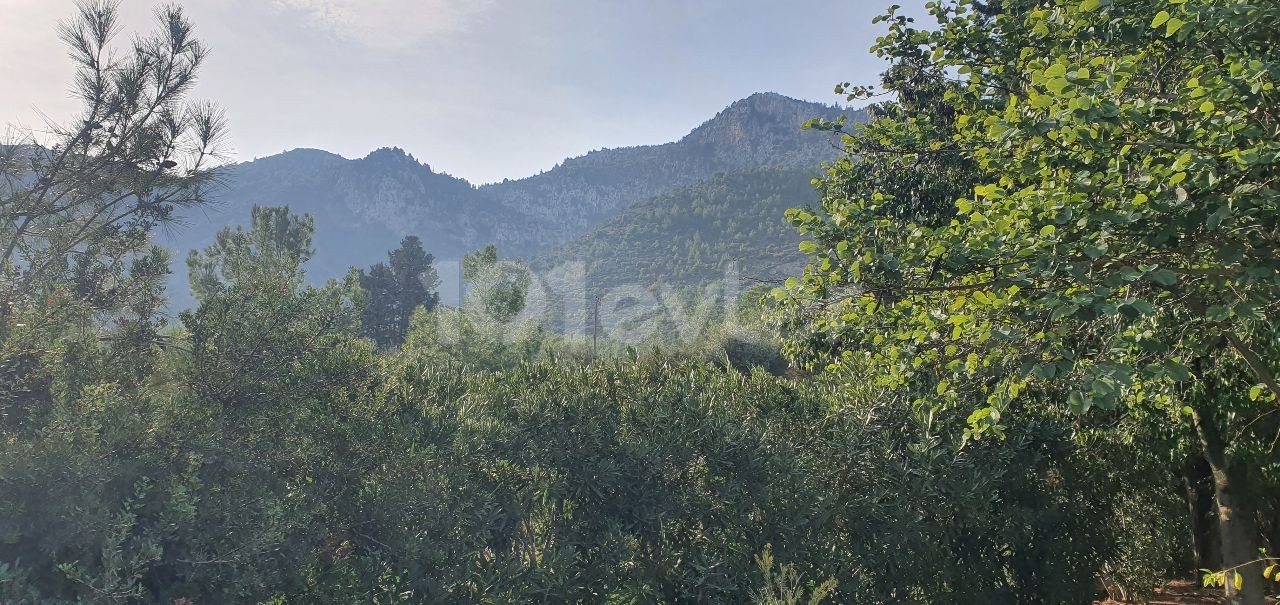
<point>732,221</point>
<point>762,130</point>
<point>363,207</point>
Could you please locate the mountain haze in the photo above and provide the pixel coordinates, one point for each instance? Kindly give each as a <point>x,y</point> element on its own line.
<point>363,207</point>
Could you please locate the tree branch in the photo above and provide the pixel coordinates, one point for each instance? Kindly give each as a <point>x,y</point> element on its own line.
<point>1255,362</point>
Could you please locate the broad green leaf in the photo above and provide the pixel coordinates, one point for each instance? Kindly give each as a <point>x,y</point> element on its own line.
<point>1163,277</point>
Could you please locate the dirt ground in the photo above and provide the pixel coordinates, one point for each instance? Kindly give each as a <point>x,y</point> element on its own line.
<point>1181,593</point>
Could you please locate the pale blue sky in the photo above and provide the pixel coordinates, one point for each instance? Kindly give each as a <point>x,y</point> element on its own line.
<point>482,89</point>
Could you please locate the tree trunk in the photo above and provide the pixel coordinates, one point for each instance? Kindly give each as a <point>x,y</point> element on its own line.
<point>1273,536</point>
<point>1269,523</point>
<point>1197,479</point>
<point>1236,525</point>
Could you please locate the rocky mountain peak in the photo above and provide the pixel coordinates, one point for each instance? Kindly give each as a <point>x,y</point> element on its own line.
<point>394,157</point>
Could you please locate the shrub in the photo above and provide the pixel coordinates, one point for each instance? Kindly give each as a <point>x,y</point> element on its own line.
<point>654,480</point>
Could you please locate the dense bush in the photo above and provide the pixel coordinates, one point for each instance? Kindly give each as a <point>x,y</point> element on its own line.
<point>264,453</point>
<point>353,478</point>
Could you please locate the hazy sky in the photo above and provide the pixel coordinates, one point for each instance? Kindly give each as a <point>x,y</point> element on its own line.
<point>482,89</point>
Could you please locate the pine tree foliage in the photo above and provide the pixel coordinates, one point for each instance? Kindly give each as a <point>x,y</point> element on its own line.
<point>396,289</point>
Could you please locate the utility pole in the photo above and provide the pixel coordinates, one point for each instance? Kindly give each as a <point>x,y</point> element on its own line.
<point>595,330</point>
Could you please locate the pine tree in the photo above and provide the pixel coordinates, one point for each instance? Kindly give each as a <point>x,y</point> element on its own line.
<point>396,289</point>
<point>277,242</point>
<point>380,313</point>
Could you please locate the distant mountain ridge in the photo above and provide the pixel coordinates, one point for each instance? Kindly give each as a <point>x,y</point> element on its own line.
<point>760,131</point>
<point>364,206</point>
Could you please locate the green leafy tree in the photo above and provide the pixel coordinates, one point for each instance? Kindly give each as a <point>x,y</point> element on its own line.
<point>498,288</point>
<point>1119,242</point>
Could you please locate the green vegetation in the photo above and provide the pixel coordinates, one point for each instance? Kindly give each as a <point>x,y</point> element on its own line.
<point>1032,353</point>
<point>396,289</point>
<point>1095,222</point>
<point>694,235</point>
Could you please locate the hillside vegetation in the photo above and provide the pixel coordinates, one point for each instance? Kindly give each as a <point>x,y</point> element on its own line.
<point>696,234</point>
